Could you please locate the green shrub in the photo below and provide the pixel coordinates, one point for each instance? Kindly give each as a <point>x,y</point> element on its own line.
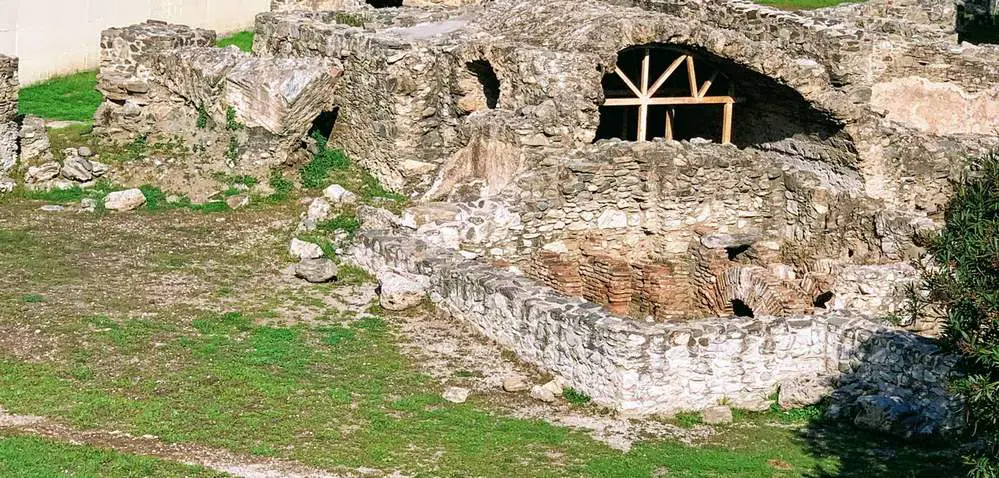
<point>342,222</point>
<point>349,19</point>
<point>242,40</point>
<point>967,287</point>
<point>155,197</point>
<point>315,174</point>
<point>231,123</point>
<point>575,397</point>
<point>202,121</point>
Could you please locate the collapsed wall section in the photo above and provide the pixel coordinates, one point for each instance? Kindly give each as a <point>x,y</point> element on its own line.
<point>8,125</point>
<point>643,368</point>
<point>223,109</point>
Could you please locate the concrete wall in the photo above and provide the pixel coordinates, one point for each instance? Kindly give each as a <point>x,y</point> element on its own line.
<point>62,36</point>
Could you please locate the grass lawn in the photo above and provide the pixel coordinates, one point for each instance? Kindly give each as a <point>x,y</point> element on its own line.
<point>243,40</point>
<point>73,97</point>
<point>169,324</point>
<point>29,457</point>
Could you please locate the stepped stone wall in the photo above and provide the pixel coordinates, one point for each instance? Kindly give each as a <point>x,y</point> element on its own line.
<point>640,367</point>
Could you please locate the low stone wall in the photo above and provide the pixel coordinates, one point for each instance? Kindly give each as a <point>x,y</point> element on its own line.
<point>8,112</point>
<point>646,368</point>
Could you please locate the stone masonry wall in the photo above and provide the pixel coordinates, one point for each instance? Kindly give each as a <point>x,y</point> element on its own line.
<point>229,111</point>
<point>8,126</point>
<point>644,368</point>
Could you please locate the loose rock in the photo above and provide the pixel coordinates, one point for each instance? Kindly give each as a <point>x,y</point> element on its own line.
<point>77,169</point>
<point>456,394</point>
<point>126,200</point>
<point>338,195</point>
<point>41,173</point>
<point>316,271</point>
<point>718,415</point>
<point>516,383</point>
<point>539,392</point>
<point>305,250</point>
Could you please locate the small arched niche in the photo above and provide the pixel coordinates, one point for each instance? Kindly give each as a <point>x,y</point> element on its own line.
<point>385,3</point>
<point>680,93</point>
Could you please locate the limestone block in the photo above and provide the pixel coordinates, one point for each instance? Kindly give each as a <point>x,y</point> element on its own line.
<point>126,200</point>
<point>401,291</point>
<point>305,250</point>
<point>316,270</point>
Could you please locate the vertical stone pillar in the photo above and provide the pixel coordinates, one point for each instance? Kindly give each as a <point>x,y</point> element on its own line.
<point>8,125</point>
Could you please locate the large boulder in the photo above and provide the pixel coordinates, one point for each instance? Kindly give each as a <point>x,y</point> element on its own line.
<point>316,271</point>
<point>376,218</point>
<point>338,195</point>
<point>401,291</point>
<point>126,200</point>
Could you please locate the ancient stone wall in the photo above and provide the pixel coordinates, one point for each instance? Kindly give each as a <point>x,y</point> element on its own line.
<point>225,110</point>
<point>8,126</point>
<point>640,367</point>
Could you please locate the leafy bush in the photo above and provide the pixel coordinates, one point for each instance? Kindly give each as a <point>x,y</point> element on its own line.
<point>967,286</point>
<point>342,222</point>
<point>575,397</point>
<point>315,174</point>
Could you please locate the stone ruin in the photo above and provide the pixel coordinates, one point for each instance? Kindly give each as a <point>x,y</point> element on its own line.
<point>669,203</point>
<point>9,128</point>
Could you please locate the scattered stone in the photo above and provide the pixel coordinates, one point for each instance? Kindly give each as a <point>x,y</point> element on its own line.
<point>376,218</point>
<point>456,394</point>
<point>99,169</point>
<point>316,271</point>
<point>88,205</point>
<point>717,415</point>
<point>238,201</point>
<point>516,383</point>
<point>401,291</point>
<point>42,172</point>
<point>84,151</point>
<point>338,195</point>
<point>77,169</point>
<point>554,386</point>
<point>52,208</point>
<point>305,250</point>
<point>319,210</point>
<point>539,392</point>
<point>126,200</point>
<point>7,185</point>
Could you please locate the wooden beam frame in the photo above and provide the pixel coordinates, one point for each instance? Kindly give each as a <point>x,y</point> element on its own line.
<point>644,96</point>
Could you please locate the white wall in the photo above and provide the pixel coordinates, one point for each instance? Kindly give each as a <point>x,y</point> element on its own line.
<point>62,36</point>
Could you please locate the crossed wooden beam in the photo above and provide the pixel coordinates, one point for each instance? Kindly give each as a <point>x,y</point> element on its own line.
<point>698,96</point>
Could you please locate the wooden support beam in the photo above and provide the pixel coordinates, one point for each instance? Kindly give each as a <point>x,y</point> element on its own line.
<point>628,82</point>
<point>707,85</point>
<point>645,73</point>
<point>727,124</point>
<point>643,122</point>
<point>670,115</point>
<point>671,100</point>
<point>665,76</point>
<point>692,76</point>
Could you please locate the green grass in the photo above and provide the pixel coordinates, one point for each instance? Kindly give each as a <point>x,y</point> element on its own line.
<point>30,457</point>
<point>345,396</point>
<point>242,40</point>
<point>73,97</point>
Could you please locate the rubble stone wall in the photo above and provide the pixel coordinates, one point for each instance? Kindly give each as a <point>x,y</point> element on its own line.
<point>228,110</point>
<point>643,368</point>
<point>8,112</point>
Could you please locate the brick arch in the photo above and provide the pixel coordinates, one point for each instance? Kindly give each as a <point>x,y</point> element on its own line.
<point>752,285</point>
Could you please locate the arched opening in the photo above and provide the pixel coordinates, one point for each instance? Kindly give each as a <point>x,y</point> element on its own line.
<point>659,92</point>
<point>324,123</point>
<point>489,82</point>
<point>736,252</point>
<point>667,90</point>
<point>822,300</point>
<point>385,3</point>
<point>740,309</point>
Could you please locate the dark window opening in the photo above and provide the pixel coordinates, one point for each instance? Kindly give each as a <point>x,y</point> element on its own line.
<point>324,123</point>
<point>385,3</point>
<point>823,300</point>
<point>975,24</point>
<point>484,72</point>
<point>734,252</point>
<point>740,309</point>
